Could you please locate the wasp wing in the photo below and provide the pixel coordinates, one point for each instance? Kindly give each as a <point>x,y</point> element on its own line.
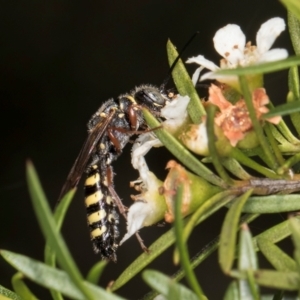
<point>85,154</point>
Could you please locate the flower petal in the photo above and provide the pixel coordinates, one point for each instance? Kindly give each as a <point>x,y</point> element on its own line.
<point>273,54</point>
<point>176,108</point>
<point>195,138</point>
<point>135,218</point>
<point>140,148</point>
<point>200,60</point>
<point>196,75</point>
<point>148,209</point>
<point>267,34</point>
<point>229,42</point>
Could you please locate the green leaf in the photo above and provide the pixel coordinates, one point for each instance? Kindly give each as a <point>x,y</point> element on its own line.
<point>272,204</point>
<point>293,83</point>
<point>284,109</point>
<point>185,86</point>
<point>52,278</point>
<point>247,261</point>
<point>264,143</point>
<point>232,292</point>
<point>173,292</point>
<point>59,216</point>
<point>210,206</point>
<point>275,233</point>
<point>50,231</point>
<point>204,253</point>
<point>162,284</point>
<point>294,7</point>
<point>6,294</point>
<point>21,288</point>
<point>157,248</point>
<point>277,279</point>
<point>182,247</point>
<point>294,29</point>
<point>214,153</point>
<point>247,256</point>
<point>262,68</point>
<point>235,168</point>
<point>96,271</point>
<point>278,259</point>
<point>295,229</point>
<point>228,233</point>
<point>294,94</point>
<point>244,159</point>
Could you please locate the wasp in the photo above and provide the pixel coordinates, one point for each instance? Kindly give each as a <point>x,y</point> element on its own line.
<point>109,130</point>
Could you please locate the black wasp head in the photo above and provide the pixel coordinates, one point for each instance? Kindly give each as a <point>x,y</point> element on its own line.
<point>150,97</point>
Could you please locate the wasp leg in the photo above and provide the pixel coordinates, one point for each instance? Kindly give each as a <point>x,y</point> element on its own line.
<point>123,210</point>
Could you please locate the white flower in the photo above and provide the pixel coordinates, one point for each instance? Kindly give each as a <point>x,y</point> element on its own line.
<point>175,113</point>
<point>149,207</point>
<point>195,138</point>
<point>230,43</point>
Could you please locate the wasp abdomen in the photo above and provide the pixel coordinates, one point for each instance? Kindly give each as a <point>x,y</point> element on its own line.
<point>102,217</point>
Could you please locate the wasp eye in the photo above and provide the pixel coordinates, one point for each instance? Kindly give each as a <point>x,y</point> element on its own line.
<point>150,97</point>
<point>157,98</point>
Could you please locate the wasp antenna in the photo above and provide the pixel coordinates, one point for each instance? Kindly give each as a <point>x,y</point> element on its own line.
<point>162,87</point>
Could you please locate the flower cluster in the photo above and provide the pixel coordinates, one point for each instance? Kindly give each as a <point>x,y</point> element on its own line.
<point>232,121</point>
<point>230,43</point>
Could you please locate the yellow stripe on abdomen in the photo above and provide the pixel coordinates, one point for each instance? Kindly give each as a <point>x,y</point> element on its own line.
<point>96,216</point>
<point>98,232</point>
<point>93,199</point>
<point>92,180</point>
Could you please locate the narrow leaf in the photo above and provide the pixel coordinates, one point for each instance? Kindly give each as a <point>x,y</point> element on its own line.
<point>232,292</point>
<point>59,216</point>
<point>52,278</point>
<point>162,284</point>
<point>173,292</point>
<point>263,68</point>
<point>49,229</point>
<point>264,143</point>
<point>275,233</point>
<point>21,288</point>
<point>228,233</point>
<point>278,259</point>
<point>182,247</point>
<point>247,261</point>
<point>203,212</point>
<point>283,110</point>
<point>294,94</point>
<point>185,86</point>
<point>294,7</point>
<point>6,294</point>
<point>204,253</point>
<point>158,247</point>
<point>278,280</point>
<point>295,229</point>
<point>247,257</point>
<point>272,204</point>
<point>96,271</point>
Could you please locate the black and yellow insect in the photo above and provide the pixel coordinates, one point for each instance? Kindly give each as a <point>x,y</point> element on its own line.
<point>110,129</point>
